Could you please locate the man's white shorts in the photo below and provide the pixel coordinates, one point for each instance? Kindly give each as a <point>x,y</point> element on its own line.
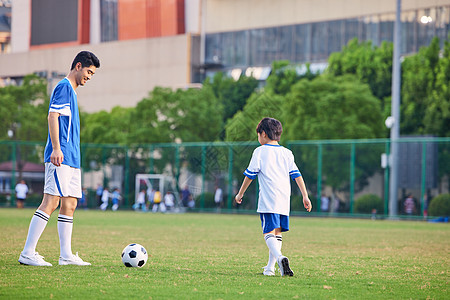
<point>63,181</point>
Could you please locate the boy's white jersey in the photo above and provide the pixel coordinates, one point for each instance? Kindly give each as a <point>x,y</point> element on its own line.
<point>273,164</point>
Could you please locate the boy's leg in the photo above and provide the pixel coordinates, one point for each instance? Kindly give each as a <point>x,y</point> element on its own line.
<point>272,244</point>
<point>272,259</point>
<point>37,225</point>
<point>283,261</point>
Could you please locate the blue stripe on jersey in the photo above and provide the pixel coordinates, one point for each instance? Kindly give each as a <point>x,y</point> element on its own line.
<point>250,174</point>
<point>57,183</point>
<point>294,174</point>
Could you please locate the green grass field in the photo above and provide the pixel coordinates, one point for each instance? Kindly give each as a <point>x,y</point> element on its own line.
<point>212,256</point>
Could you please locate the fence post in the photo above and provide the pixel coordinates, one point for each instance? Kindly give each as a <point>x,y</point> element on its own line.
<point>230,176</point>
<point>423,179</point>
<point>202,196</point>
<point>127,175</point>
<point>386,179</point>
<point>352,175</point>
<point>13,173</point>
<point>105,180</point>
<point>319,175</point>
<point>177,163</point>
<point>151,165</point>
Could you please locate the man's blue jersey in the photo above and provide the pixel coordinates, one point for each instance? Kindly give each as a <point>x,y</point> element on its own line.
<point>64,102</point>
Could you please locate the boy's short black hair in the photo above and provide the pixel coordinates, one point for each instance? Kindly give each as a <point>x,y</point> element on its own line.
<point>272,127</point>
<point>86,59</point>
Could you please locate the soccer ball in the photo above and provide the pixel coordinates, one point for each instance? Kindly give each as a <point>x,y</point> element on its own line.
<point>134,255</point>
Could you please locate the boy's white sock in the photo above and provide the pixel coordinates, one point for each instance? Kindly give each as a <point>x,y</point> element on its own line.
<point>272,259</point>
<point>273,245</point>
<point>37,226</point>
<point>65,225</point>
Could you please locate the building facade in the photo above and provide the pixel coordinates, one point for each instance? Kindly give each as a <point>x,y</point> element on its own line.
<point>176,43</point>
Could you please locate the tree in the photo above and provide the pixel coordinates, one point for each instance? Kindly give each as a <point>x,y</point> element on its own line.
<point>370,64</point>
<point>242,127</point>
<point>331,107</point>
<point>23,108</point>
<point>418,84</point>
<point>437,111</point>
<point>107,128</point>
<point>190,115</point>
<point>231,94</point>
<point>284,75</point>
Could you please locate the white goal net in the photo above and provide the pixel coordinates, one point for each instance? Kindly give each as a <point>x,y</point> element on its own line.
<point>165,185</point>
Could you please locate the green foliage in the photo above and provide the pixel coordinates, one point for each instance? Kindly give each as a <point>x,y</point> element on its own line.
<point>437,112</point>
<point>242,127</point>
<point>184,115</point>
<point>231,94</point>
<point>208,200</point>
<point>440,206</point>
<point>104,127</point>
<point>331,107</point>
<point>370,64</point>
<point>418,82</point>
<point>284,76</point>
<point>23,108</point>
<point>366,203</point>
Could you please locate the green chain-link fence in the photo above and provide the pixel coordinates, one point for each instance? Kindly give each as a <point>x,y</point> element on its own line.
<point>341,170</point>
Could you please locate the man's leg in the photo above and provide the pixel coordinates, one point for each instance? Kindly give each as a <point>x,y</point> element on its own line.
<point>65,226</point>
<point>37,225</point>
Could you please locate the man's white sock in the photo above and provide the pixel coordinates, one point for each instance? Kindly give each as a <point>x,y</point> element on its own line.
<point>37,226</point>
<point>65,225</point>
<point>273,245</point>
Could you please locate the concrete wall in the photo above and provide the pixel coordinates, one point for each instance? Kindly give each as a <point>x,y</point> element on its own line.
<point>128,71</point>
<point>231,15</point>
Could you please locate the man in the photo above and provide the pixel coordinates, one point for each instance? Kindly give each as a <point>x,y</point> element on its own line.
<point>62,165</point>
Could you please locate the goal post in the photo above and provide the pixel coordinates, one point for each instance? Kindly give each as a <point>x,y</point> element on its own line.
<point>160,182</point>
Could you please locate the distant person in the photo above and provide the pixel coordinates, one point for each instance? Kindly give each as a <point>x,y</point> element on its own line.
<point>186,196</point>
<point>150,195</point>
<point>324,203</point>
<point>158,204</point>
<point>140,201</point>
<point>82,202</point>
<point>218,197</point>
<point>99,193</point>
<point>62,159</point>
<point>409,205</point>
<point>169,200</point>
<point>273,164</point>
<point>21,193</point>
<point>105,199</point>
<point>116,197</point>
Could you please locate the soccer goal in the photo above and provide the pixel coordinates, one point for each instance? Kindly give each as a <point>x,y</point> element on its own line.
<point>162,183</point>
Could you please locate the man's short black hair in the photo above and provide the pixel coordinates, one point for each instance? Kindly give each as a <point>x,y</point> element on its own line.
<point>272,127</point>
<point>86,59</point>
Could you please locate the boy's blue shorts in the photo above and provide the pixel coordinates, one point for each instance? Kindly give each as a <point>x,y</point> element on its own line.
<point>271,221</point>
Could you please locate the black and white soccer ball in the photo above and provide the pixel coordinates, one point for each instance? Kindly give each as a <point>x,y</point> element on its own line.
<point>134,255</point>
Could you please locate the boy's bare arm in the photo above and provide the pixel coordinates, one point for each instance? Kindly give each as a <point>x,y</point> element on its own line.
<point>302,187</point>
<point>242,190</point>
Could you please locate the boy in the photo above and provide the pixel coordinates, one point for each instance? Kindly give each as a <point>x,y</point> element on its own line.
<point>62,165</point>
<point>273,164</point>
